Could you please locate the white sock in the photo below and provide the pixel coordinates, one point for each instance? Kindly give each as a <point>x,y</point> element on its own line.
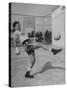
<point>29,69</point>
<point>17,50</point>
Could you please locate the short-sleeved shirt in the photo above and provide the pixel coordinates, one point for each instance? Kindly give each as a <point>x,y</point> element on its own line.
<point>16,34</point>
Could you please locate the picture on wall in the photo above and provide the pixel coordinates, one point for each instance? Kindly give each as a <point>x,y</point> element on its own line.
<point>36,44</point>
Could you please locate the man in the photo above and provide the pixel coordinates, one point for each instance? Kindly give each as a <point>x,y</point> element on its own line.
<point>29,47</point>
<point>16,35</point>
<point>30,50</point>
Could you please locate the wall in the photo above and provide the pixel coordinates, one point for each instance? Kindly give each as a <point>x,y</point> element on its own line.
<point>43,23</point>
<point>27,23</point>
<point>58,26</point>
<point>31,22</point>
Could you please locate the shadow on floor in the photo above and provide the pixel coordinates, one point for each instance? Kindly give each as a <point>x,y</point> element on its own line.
<point>48,66</point>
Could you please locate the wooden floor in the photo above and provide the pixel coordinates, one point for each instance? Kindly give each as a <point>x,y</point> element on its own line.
<point>49,69</point>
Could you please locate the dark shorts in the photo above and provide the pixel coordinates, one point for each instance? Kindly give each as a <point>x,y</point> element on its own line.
<point>29,50</point>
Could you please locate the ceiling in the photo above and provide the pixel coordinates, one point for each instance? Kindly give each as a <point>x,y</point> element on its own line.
<point>32,9</point>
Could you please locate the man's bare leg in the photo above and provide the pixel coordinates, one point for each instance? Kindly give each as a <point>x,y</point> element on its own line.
<point>32,58</point>
<point>53,50</point>
<point>47,48</point>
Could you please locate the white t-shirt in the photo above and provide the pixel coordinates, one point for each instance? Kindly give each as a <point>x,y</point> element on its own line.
<point>16,34</point>
<point>19,34</point>
<point>23,38</point>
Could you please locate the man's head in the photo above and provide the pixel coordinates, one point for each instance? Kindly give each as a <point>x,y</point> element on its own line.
<point>16,25</point>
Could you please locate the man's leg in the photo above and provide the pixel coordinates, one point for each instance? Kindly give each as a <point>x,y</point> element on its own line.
<point>32,58</point>
<point>46,47</point>
<point>53,50</point>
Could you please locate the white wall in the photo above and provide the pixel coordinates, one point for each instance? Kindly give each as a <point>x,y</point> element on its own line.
<point>27,22</point>
<point>58,26</point>
<point>43,23</point>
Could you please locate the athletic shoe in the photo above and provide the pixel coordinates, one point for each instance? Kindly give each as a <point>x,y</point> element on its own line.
<point>55,51</point>
<point>27,75</point>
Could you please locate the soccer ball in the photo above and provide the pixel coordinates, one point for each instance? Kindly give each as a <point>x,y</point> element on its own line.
<point>57,36</point>
<point>17,51</point>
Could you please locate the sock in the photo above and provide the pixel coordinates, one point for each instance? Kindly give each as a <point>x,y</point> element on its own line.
<point>29,69</point>
<point>17,51</point>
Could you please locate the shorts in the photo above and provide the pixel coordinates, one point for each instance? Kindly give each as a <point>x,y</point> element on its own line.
<point>29,50</point>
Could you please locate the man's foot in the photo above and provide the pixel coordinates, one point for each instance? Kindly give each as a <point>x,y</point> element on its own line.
<point>55,51</point>
<point>17,51</point>
<point>27,75</point>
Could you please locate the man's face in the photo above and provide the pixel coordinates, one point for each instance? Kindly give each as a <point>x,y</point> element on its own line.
<point>17,27</point>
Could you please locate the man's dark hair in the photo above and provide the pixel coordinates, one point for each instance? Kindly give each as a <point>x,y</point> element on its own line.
<point>14,24</point>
